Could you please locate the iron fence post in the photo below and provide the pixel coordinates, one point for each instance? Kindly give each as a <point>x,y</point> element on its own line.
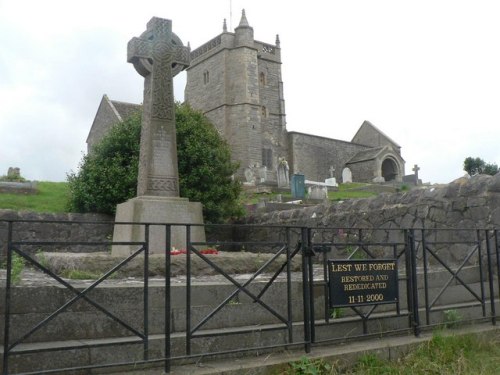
<point>426,278</point>
<point>7,301</point>
<point>310,253</point>
<point>289,286</point>
<point>414,284</point>
<point>411,281</point>
<point>188,290</point>
<point>481,271</point>
<point>146,292</point>
<point>497,253</point>
<point>306,291</point>
<point>168,301</point>
<point>490,278</point>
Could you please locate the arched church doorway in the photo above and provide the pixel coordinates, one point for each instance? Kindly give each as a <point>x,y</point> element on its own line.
<point>389,170</point>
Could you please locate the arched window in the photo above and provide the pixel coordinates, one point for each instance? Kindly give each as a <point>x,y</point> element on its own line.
<point>206,77</point>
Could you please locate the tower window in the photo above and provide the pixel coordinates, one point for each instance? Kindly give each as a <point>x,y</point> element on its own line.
<point>206,77</point>
<point>262,78</point>
<point>267,157</point>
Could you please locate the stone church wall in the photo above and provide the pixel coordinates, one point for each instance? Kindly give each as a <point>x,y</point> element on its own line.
<point>372,137</point>
<point>363,172</point>
<point>313,155</point>
<point>106,118</point>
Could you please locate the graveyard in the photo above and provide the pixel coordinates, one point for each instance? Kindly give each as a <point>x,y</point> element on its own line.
<point>157,289</point>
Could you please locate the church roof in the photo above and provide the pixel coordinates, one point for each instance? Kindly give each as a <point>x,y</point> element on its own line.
<point>124,109</point>
<point>368,124</point>
<point>365,155</point>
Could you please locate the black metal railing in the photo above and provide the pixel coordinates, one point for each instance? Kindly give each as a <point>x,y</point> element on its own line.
<point>432,264</point>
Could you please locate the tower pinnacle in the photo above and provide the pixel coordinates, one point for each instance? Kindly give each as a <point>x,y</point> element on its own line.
<point>243,21</point>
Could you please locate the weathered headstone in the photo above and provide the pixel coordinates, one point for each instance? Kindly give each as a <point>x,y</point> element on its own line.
<point>249,176</point>
<point>317,192</point>
<point>13,173</point>
<point>263,174</point>
<point>346,175</point>
<point>282,173</point>
<point>158,55</point>
<point>332,181</point>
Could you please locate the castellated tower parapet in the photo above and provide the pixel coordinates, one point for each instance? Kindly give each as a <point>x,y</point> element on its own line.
<point>236,82</point>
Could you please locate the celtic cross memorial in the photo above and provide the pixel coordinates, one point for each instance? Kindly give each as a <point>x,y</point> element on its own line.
<point>157,55</point>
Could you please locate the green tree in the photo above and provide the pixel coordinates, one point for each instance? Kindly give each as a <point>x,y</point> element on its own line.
<point>478,166</point>
<point>108,175</point>
<point>491,169</point>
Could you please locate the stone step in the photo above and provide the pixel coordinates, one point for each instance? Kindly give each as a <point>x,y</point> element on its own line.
<point>77,353</point>
<point>83,321</point>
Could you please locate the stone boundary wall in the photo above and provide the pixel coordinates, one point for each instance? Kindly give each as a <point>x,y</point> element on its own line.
<point>85,228</point>
<point>464,203</point>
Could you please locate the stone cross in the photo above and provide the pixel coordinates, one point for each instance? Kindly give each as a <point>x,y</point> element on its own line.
<point>415,169</point>
<point>332,171</point>
<point>158,55</point>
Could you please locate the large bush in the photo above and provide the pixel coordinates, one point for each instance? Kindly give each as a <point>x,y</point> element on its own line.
<point>108,175</point>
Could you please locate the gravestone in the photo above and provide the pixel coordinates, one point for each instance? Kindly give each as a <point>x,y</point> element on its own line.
<point>282,173</point>
<point>262,174</point>
<point>157,55</point>
<point>346,176</point>
<point>13,173</point>
<point>249,176</point>
<point>415,169</point>
<point>332,181</point>
<point>317,192</point>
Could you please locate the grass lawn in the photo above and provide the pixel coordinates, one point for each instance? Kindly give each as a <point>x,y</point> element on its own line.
<point>51,197</point>
<point>442,355</point>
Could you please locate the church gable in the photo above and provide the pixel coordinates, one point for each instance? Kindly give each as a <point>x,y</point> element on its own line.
<point>369,135</point>
<point>109,113</point>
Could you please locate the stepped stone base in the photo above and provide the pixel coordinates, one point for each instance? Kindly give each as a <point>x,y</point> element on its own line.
<point>150,209</point>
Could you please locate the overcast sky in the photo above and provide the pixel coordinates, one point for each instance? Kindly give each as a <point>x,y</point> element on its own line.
<point>425,72</point>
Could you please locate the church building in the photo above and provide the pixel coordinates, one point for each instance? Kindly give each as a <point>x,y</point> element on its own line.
<point>236,82</point>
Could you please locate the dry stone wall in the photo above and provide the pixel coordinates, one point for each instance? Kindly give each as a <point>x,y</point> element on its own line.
<point>55,228</point>
<point>459,207</point>
<point>464,203</point>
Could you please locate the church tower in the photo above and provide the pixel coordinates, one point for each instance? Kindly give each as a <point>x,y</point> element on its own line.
<point>236,82</point>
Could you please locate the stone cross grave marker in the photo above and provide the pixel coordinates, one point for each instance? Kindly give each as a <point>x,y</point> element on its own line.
<point>158,55</point>
<point>415,169</point>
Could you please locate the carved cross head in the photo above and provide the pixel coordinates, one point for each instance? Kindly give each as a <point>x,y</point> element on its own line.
<point>158,44</point>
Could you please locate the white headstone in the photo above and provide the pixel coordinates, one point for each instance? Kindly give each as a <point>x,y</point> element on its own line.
<point>346,175</point>
<point>317,192</point>
<point>332,181</point>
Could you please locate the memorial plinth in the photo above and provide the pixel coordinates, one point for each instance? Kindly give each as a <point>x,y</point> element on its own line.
<point>157,55</point>
<point>150,209</point>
